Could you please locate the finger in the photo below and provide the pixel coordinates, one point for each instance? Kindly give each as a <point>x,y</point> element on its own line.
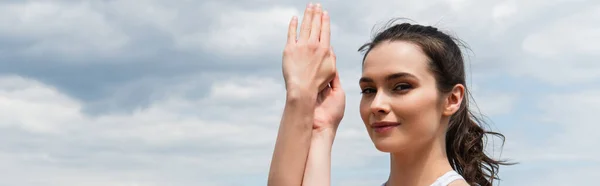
<point>336,83</point>
<point>292,30</point>
<point>324,93</point>
<point>315,31</point>
<point>306,21</point>
<point>325,30</point>
<point>333,56</point>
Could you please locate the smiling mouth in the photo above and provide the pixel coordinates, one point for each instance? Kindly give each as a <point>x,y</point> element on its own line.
<point>381,127</point>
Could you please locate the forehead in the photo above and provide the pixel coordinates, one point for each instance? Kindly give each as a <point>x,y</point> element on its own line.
<point>394,57</point>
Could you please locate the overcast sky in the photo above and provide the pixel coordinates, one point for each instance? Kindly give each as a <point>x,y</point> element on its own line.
<point>181,92</point>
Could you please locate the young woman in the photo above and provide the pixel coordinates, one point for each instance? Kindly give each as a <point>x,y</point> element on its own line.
<point>414,106</point>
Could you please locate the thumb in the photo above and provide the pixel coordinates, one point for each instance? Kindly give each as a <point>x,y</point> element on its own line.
<point>336,84</point>
<point>323,94</point>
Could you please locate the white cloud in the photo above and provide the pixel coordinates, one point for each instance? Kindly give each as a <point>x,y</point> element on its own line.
<point>246,89</point>
<point>72,30</point>
<point>559,139</point>
<point>150,13</point>
<point>206,136</point>
<point>75,31</point>
<point>18,169</point>
<point>503,10</point>
<point>178,140</point>
<point>574,35</point>
<point>34,106</point>
<point>493,103</point>
<point>40,111</point>
<point>564,177</point>
<point>243,32</point>
<point>564,51</point>
<point>574,115</point>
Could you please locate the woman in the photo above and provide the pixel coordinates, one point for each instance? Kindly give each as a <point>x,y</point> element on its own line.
<point>414,106</point>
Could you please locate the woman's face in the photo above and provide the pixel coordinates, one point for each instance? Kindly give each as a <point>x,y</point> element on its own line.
<point>400,105</point>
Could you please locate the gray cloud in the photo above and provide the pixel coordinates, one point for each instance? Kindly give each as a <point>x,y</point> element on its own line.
<point>178,93</point>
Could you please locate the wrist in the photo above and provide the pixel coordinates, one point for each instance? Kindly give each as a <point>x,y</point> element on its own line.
<point>324,134</point>
<point>301,94</point>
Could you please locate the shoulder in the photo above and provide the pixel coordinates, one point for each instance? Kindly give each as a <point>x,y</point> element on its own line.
<point>460,182</point>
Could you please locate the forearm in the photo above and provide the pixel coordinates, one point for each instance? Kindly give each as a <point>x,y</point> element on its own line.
<point>293,141</point>
<point>318,167</point>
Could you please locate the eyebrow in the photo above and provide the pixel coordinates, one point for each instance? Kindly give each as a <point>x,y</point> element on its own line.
<point>389,77</point>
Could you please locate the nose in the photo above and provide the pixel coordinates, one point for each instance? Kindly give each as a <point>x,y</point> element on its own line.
<point>380,104</point>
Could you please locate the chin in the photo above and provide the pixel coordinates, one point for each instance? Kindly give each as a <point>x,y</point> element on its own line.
<point>389,144</point>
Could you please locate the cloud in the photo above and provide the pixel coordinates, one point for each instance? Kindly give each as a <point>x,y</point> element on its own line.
<point>555,140</point>
<point>503,10</point>
<point>69,30</point>
<point>233,126</point>
<point>584,176</point>
<point>243,32</point>
<point>49,131</point>
<point>573,115</point>
<point>563,52</point>
<point>90,50</point>
<point>152,92</point>
<point>489,102</point>
<point>35,107</point>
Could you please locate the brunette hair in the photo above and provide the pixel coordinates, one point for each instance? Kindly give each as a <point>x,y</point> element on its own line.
<point>465,136</point>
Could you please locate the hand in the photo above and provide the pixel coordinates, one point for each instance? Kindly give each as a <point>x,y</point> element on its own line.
<point>331,103</point>
<point>304,59</point>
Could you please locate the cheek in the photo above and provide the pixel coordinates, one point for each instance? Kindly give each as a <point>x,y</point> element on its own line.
<point>418,110</point>
<point>364,110</point>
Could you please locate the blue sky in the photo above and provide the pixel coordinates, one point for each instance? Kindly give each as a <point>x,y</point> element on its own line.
<point>148,92</point>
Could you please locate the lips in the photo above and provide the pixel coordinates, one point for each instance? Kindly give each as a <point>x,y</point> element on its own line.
<point>384,124</point>
<point>381,127</point>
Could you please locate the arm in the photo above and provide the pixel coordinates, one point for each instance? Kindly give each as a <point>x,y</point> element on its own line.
<point>306,70</point>
<point>328,115</point>
<point>318,167</point>
<point>293,140</point>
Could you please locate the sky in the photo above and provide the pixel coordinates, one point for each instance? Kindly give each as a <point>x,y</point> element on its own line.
<point>181,92</point>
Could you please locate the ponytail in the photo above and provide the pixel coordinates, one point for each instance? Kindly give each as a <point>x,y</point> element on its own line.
<point>465,136</point>
<point>465,147</point>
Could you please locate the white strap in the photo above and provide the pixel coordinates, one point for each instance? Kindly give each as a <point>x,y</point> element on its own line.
<point>447,178</point>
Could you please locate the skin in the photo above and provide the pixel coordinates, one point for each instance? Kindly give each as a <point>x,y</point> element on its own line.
<point>314,103</point>
<point>328,115</point>
<point>398,86</point>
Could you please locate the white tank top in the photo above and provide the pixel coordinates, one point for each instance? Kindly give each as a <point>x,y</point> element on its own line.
<point>445,179</point>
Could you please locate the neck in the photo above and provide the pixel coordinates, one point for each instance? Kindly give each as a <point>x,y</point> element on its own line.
<point>419,166</point>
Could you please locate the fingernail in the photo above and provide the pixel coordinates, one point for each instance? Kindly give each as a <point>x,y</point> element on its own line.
<point>318,5</point>
<point>310,5</point>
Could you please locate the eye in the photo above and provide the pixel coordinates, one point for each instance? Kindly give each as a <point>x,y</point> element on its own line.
<point>368,91</point>
<point>402,87</point>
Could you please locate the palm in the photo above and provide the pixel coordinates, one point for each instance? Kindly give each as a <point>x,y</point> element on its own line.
<point>330,107</point>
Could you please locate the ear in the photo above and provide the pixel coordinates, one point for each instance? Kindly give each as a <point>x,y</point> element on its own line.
<point>453,100</point>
